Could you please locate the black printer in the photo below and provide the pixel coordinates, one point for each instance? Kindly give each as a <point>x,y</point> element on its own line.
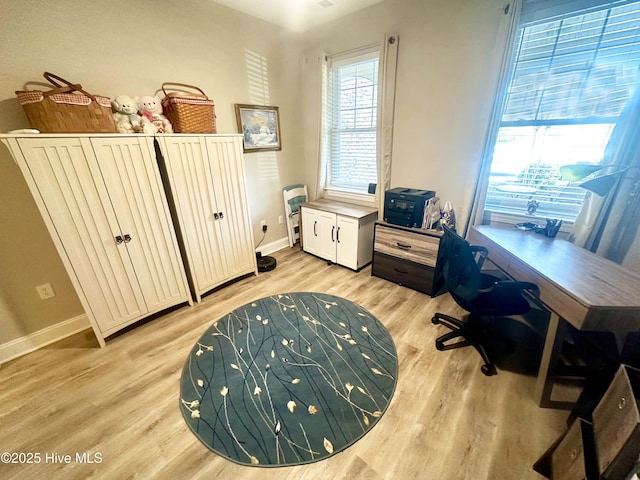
<point>405,206</point>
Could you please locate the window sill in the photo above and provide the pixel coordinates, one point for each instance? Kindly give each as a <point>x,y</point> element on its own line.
<point>502,218</point>
<point>350,196</point>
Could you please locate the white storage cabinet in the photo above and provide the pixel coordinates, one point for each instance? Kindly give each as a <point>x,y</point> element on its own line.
<point>206,177</point>
<point>104,205</point>
<point>338,232</point>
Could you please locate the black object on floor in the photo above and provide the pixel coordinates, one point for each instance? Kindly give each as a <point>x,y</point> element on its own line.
<point>266,263</point>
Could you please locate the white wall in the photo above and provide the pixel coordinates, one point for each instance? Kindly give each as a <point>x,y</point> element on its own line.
<point>445,87</point>
<point>122,47</point>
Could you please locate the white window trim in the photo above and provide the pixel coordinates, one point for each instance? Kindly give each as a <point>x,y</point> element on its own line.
<point>368,52</point>
<point>350,196</point>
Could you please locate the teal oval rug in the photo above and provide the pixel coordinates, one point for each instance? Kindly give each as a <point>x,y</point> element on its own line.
<point>288,379</point>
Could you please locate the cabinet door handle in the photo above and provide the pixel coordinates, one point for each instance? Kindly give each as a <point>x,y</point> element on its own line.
<point>221,215</point>
<point>333,230</point>
<point>315,222</point>
<point>216,216</point>
<point>119,239</point>
<point>338,235</point>
<point>127,238</point>
<point>403,246</point>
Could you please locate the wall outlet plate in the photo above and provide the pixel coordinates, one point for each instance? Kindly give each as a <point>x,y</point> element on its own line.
<point>45,291</point>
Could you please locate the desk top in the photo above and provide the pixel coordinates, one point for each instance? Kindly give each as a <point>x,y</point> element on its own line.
<point>574,282</point>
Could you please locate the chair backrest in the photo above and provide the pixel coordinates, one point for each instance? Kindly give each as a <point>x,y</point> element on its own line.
<point>461,270</point>
<point>294,196</point>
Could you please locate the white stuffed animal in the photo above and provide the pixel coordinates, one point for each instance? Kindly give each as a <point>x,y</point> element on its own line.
<point>125,114</point>
<point>153,121</point>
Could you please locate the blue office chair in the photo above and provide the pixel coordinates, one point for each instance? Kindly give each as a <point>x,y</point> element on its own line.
<point>482,295</point>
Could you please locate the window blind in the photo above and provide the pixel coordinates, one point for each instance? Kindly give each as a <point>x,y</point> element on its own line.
<point>576,69</point>
<point>353,107</point>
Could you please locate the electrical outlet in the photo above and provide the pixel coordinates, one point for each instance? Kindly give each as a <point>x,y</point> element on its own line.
<point>263,223</point>
<point>280,219</point>
<point>45,291</point>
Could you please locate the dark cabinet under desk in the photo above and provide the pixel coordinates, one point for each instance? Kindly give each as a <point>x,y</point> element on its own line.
<point>406,256</point>
<point>605,445</point>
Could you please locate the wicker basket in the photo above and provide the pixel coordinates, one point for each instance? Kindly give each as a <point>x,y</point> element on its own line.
<point>188,112</point>
<point>67,109</point>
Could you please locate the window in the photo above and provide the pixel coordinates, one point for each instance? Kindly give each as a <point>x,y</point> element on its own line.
<point>572,75</point>
<point>352,111</point>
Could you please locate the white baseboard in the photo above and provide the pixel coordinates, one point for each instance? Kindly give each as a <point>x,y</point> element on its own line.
<point>273,246</point>
<point>23,345</point>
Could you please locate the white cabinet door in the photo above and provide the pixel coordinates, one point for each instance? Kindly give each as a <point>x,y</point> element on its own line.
<point>319,233</point>
<point>192,187</point>
<point>227,171</point>
<point>347,242</point>
<point>135,190</point>
<point>207,181</point>
<point>328,232</point>
<point>311,230</point>
<point>86,226</point>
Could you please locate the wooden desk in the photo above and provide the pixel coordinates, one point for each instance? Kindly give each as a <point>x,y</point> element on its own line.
<point>576,285</point>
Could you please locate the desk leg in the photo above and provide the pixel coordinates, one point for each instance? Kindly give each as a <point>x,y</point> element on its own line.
<point>550,354</point>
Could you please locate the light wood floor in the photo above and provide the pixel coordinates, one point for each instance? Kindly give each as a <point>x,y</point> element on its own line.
<point>446,420</point>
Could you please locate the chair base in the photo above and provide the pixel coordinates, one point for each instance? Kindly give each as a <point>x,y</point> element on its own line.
<point>472,332</point>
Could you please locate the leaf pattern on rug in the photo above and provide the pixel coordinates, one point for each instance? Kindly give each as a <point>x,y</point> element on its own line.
<point>288,379</point>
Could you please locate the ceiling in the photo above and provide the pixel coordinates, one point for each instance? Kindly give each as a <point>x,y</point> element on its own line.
<point>298,15</point>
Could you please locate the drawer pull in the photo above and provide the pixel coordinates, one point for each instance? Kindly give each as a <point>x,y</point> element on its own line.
<point>403,246</point>
<point>574,454</point>
<point>622,403</point>
<point>401,272</point>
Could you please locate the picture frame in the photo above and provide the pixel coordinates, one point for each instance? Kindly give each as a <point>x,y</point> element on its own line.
<point>260,126</point>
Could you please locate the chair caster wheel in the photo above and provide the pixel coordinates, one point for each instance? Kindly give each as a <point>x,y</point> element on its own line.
<point>488,369</point>
<point>435,320</point>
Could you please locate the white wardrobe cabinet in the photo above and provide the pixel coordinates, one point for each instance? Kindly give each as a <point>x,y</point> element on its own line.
<point>206,179</point>
<point>338,232</point>
<point>104,205</point>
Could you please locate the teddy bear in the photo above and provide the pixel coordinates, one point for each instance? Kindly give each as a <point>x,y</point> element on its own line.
<point>153,121</point>
<point>125,114</point>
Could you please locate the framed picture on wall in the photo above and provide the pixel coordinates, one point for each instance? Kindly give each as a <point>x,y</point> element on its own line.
<point>260,126</point>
